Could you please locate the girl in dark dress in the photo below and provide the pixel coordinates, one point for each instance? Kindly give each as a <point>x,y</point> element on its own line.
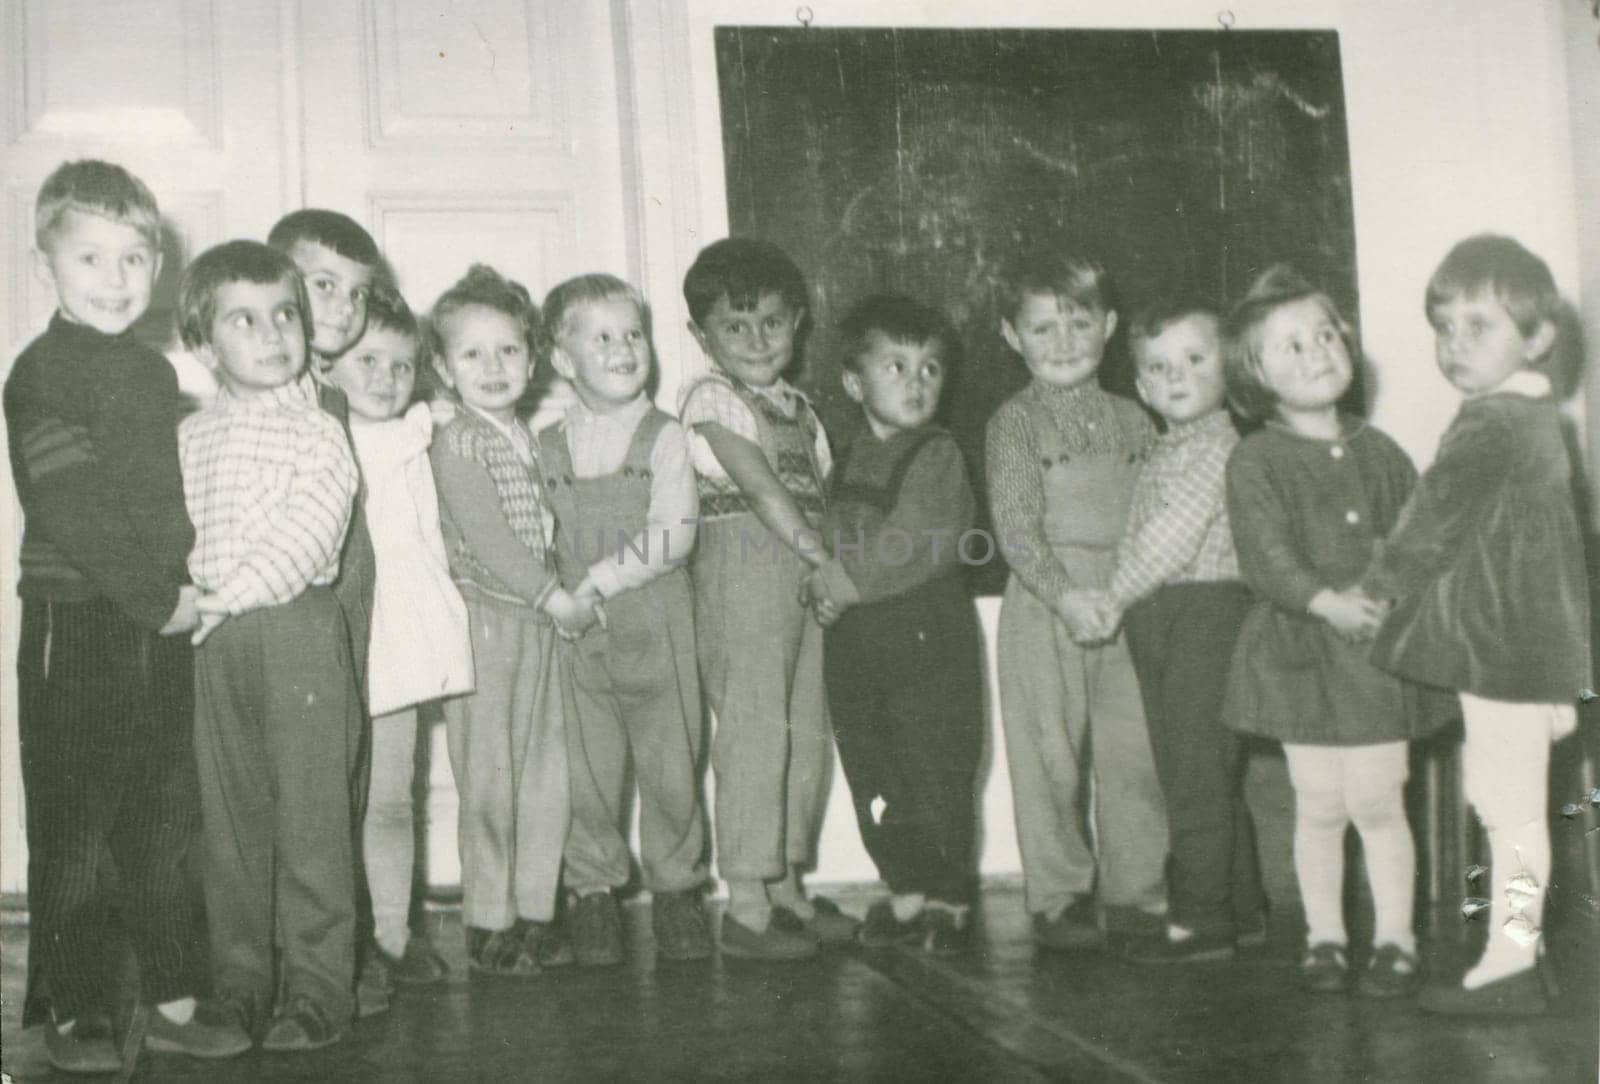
<point>1309,496</point>
<point>1490,598</point>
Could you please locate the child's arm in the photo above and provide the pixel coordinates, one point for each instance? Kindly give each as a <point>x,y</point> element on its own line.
<point>469,497</point>
<point>1016,499</point>
<point>1165,543</point>
<point>769,499</point>
<point>307,527</point>
<point>669,529</point>
<point>1470,467</point>
<point>915,542</point>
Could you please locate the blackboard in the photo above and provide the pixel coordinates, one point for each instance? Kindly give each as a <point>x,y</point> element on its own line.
<point>921,160</point>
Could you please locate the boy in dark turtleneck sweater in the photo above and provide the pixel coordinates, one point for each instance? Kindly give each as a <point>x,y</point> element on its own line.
<point>105,682</point>
<point>902,657</point>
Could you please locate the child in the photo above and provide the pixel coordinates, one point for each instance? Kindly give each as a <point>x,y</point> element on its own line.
<point>761,460</point>
<point>269,481</point>
<point>903,662</point>
<point>1309,496</point>
<point>1062,459</point>
<point>617,477</point>
<point>507,746</point>
<point>420,650</point>
<point>1177,581</point>
<point>104,679</point>
<point>1486,570</point>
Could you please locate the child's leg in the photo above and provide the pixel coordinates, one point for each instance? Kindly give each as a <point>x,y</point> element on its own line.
<point>1320,821</point>
<point>1045,721</point>
<point>1374,794</point>
<point>596,856</point>
<point>157,827</point>
<point>538,768</point>
<point>310,698</point>
<point>807,791</point>
<point>388,830</point>
<point>1505,769</point>
<point>478,728</point>
<point>854,679</point>
<point>1131,815</point>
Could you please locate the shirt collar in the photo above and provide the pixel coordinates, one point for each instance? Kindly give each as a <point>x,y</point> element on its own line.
<point>1210,425</point>
<point>1055,393</point>
<point>299,393</point>
<point>579,414</point>
<point>513,432</point>
<point>1525,382</point>
<point>76,336</point>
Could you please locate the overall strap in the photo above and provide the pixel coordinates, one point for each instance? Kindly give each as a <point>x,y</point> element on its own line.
<point>882,497</point>
<point>554,456</point>
<point>643,443</point>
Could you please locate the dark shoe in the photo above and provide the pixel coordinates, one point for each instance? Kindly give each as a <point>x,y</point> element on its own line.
<point>1074,928</point>
<point>300,1025</point>
<point>496,952</point>
<point>1251,932</point>
<point>1324,969</point>
<point>773,943</point>
<point>596,924</point>
<point>375,985</point>
<point>1194,949</point>
<point>1391,972</point>
<point>228,1010</point>
<point>198,1038</point>
<point>547,943</point>
<point>883,930</point>
<point>679,922</point>
<point>419,965</point>
<point>943,934</point>
<point>827,925</point>
<point>1519,994</point>
<point>87,1048</point>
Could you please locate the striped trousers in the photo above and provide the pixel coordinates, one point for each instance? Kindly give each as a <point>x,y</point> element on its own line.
<point>106,714</point>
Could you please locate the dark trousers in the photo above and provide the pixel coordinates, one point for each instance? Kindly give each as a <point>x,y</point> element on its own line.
<point>1182,638</point>
<point>277,728</point>
<point>105,712</point>
<point>905,689</point>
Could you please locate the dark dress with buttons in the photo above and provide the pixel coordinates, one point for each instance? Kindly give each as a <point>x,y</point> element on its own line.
<point>1307,515</point>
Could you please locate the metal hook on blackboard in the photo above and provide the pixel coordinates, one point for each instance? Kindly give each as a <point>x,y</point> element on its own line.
<point>803,14</point>
<point>1225,18</point>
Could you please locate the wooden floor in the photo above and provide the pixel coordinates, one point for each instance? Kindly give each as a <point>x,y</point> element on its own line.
<point>1004,1013</point>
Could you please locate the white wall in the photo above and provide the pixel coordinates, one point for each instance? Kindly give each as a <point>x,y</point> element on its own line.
<point>1459,123</point>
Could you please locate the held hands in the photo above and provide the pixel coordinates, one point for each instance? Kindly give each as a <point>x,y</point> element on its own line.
<point>184,615</point>
<point>577,612</point>
<point>212,613</point>
<point>1090,616</point>
<point>814,593</point>
<point>1353,614</point>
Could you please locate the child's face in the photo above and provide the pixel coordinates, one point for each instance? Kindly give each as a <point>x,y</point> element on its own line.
<point>102,271</point>
<point>1478,344</point>
<point>604,351</point>
<point>377,374</point>
<point>1301,356</point>
<point>485,360</point>
<point>1061,341</point>
<point>896,383</point>
<point>257,340</point>
<point>338,287</point>
<point>753,346</point>
<point>1180,370</point>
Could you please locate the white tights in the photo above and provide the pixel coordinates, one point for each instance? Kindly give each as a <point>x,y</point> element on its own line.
<point>388,840</point>
<point>1335,787</point>
<point>1505,769</point>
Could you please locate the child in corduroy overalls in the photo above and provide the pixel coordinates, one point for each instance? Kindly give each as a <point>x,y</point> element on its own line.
<point>617,477</point>
<point>1062,458</point>
<point>761,460</point>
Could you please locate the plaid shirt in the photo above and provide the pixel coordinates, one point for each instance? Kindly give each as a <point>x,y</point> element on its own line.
<point>1178,526</point>
<point>269,482</point>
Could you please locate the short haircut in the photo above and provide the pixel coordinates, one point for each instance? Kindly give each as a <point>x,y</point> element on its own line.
<point>1273,288</point>
<point>565,299</point>
<point>899,319</point>
<point>97,188</point>
<point>741,269</point>
<point>1070,277</point>
<point>483,285</point>
<point>336,231</point>
<point>1491,263</point>
<point>232,261</point>
<point>386,309</point>
<point>1156,318</point>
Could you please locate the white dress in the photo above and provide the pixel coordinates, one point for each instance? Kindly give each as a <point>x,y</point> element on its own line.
<point>421,647</point>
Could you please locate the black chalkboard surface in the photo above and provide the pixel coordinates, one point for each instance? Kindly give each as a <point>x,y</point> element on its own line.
<point>921,160</point>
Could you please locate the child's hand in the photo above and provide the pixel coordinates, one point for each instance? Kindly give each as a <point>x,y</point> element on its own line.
<point>1352,614</point>
<point>212,613</point>
<point>443,411</point>
<point>1106,617</point>
<point>574,615</point>
<point>814,593</point>
<point>1081,610</point>
<point>184,615</point>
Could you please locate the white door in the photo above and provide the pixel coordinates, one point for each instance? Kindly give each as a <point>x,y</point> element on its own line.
<point>455,130</point>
